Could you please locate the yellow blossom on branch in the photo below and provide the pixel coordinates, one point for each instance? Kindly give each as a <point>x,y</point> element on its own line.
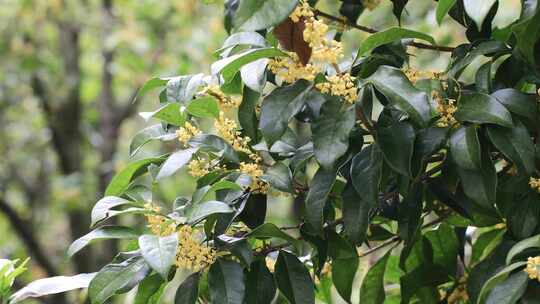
<point>191,253</point>
<point>340,85</point>
<point>446,108</point>
<point>415,75</point>
<point>533,268</point>
<point>186,132</point>
<point>255,171</point>
<point>302,10</point>
<point>224,101</point>
<point>157,223</point>
<point>290,69</point>
<point>228,130</point>
<point>534,183</point>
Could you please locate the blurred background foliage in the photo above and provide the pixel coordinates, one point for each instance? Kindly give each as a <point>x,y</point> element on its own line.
<point>69,71</point>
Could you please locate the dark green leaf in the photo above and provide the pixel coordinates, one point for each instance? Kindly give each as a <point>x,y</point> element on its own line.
<point>331,134</point>
<point>532,242</point>
<point>260,285</point>
<point>279,107</point>
<point>246,113</point>
<point>498,278</point>
<point>279,176</point>
<point>482,108</point>
<point>319,189</point>
<point>254,15</point>
<point>372,290</point>
<point>226,282</point>
<point>524,105</point>
<point>344,264</point>
<point>214,144</point>
<point>155,132</point>
<point>293,279</point>
<point>445,244</point>
<point>527,32</point>
<point>200,211</point>
<point>516,144</point>
<point>188,291</point>
<point>102,233</point>
<point>366,174</point>
<point>480,184</point>
<point>355,215</point>
<point>159,252</point>
<point>269,230</point>
<point>399,6</point>
<point>483,78</point>
<point>465,148</point>
<point>148,289</point>
<point>402,94</point>
<point>229,66</point>
<point>397,144</point>
<point>509,291</point>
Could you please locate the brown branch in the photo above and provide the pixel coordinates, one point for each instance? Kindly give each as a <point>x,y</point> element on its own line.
<point>370,30</point>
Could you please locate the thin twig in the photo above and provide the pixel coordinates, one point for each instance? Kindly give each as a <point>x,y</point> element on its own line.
<point>370,30</point>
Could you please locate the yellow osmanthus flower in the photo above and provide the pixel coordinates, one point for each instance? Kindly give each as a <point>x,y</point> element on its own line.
<point>371,4</point>
<point>186,132</point>
<point>159,224</point>
<point>415,75</point>
<point>534,183</point>
<point>302,10</point>
<point>191,253</point>
<point>533,268</point>
<point>255,171</point>
<point>446,108</point>
<point>290,69</point>
<point>228,130</point>
<point>199,167</point>
<point>340,85</point>
<point>225,102</point>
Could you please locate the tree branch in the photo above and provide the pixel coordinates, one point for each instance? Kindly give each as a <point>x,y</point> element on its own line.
<point>373,31</point>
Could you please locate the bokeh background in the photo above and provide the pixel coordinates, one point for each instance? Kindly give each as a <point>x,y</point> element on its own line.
<point>69,71</point>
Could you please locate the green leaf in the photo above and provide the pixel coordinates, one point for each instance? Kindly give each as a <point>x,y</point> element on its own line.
<point>226,282</point>
<point>260,285</point>
<point>388,36</point>
<point>53,285</point>
<point>521,104</point>
<point>243,38</point>
<point>255,15</point>
<point>509,291</point>
<point>480,185</point>
<point>254,74</point>
<point>155,132</point>
<point>200,211</point>
<point>319,189</point>
<point>532,242</point>
<point>102,233</point>
<point>331,134</point>
<point>151,84</point>
<point>481,108</point>
<point>103,208</point>
<point>445,245</point>
<point>175,162</point>
<point>483,48</point>
<point>120,182</point>
<point>465,148</point>
<point>214,144</point>
<point>229,66</point>
<point>149,288</point>
<point>188,292</point>
<point>485,243</point>
<point>247,116</point>
<point>205,107</point>
<point>397,145</point>
<point>443,8</point>
<point>402,94</point>
<point>497,279</point>
<point>372,290</point>
<point>115,277</point>
<point>159,252</point>
<point>279,107</point>
<point>516,144</point>
<point>293,279</point>
<point>355,215</point>
<point>279,176</point>
<point>398,7</point>
<point>366,174</point>
<point>269,230</point>
<point>478,10</point>
<point>527,32</point>
<point>344,264</point>
<point>170,113</point>
<point>181,89</point>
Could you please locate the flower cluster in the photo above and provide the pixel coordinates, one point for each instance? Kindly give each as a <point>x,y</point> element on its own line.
<point>532,269</point>
<point>534,183</point>
<point>226,102</point>
<point>446,108</point>
<point>157,223</point>
<point>199,167</point>
<point>228,130</point>
<point>415,75</point>
<point>186,132</point>
<point>340,85</point>
<point>191,253</point>
<point>371,4</point>
<point>255,171</point>
<point>290,69</point>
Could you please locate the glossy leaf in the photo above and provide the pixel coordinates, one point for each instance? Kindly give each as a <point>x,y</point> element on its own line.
<point>499,277</point>
<point>254,74</point>
<point>155,132</point>
<point>293,279</point>
<point>175,162</point>
<point>171,113</point>
<point>260,285</point>
<point>516,144</point>
<point>482,108</point>
<point>181,89</point>
<point>319,189</point>
<point>465,148</point>
<point>120,182</point>
<point>517,102</point>
<point>372,290</point>
<point>247,116</point>
<point>254,15</point>
<point>202,210</point>
<point>397,145</point>
<point>269,230</point>
<point>214,144</point>
<point>388,36</point>
<point>366,174</point>
<point>443,7</point>
<point>103,209</point>
<point>205,107</point>
<point>279,176</point>
<point>478,10</point>
<point>509,291</point>
<point>188,291</point>
<point>102,233</point>
<point>532,242</point>
<point>149,289</point>
<point>159,252</point>
<point>229,66</point>
<point>226,282</point>
<point>151,84</point>
<point>53,285</point>
<point>279,107</point>
<point>355,215</point>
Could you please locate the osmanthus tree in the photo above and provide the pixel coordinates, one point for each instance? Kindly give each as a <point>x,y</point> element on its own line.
<point>381,160</point>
